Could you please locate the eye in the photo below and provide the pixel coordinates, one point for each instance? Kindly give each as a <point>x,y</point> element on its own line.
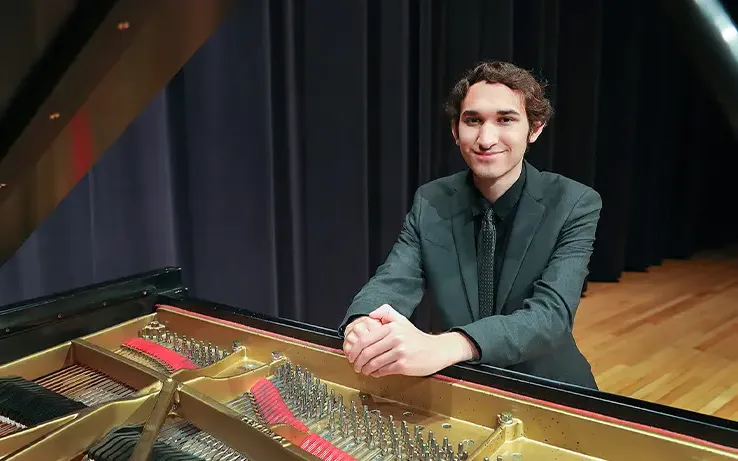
<point>472,120</point>
<point>506,120</point>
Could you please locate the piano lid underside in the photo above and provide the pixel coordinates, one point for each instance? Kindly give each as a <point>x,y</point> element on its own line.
<point>106,61</point>
<point>181,385</point>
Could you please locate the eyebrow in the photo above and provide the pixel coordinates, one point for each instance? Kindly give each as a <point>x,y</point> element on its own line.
<point>499,112</point>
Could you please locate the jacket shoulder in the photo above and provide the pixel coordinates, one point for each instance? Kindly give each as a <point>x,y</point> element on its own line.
<point>557,188</point>
<point>441,188</point>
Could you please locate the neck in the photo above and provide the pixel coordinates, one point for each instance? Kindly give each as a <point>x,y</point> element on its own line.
<point>492,189</point>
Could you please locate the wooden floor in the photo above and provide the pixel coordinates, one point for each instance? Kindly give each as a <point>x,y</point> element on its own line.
<point>669,335</point>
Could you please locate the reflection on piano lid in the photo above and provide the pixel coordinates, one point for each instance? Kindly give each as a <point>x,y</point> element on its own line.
<point>135,369</point>
<point>107,60</point>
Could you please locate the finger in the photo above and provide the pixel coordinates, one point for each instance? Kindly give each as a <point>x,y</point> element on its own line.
<point>354,322</point>
<point>353,337</point>
<point>350,338</point>
<point>380,361</point>
<point>371,324</point>
<point>372,351</point>
<point>392,368</point>
<point>347,347</point>
<point>386,314</point>
<point>365,340</point>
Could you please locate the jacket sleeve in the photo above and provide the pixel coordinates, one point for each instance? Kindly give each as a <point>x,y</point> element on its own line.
<point>398,282</point>
<point>547,316</point>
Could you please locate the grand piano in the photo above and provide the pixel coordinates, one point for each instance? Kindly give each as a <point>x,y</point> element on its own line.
<point>137,368</point>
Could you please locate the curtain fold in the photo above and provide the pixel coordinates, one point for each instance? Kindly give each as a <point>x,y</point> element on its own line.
<point>277,166</point>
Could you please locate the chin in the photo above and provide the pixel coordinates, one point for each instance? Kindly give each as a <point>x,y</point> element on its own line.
<point>488,173</point>
<point>490,170</point>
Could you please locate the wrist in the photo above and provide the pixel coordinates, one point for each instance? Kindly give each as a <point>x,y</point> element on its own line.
<point>456,347</point>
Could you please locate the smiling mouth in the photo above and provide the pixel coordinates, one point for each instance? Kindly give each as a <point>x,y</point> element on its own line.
<point>488,154</point>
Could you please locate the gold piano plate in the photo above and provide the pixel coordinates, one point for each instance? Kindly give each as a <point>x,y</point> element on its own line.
<point>16,440</point>
<point>72,440</point>
<point>80,372</point>
<point>211,355</point>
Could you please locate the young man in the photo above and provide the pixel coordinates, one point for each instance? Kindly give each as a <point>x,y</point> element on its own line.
<point>503,246</point>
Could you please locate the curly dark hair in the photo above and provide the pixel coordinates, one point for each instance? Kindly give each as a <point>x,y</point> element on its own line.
<point>537,107</point>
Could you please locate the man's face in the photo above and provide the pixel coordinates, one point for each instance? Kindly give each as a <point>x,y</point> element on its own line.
<point>493,130</point>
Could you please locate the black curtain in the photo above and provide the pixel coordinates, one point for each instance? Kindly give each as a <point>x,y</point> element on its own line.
<point>276,168</point>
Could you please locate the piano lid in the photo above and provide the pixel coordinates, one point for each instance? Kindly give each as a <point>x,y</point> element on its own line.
<point>75,76</point>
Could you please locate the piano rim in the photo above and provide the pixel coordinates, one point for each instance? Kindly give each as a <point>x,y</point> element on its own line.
<point>164,286</point>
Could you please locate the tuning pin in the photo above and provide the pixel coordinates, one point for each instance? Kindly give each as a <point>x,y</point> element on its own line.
<point>323,399</point>
<point>380,431</point>
<point>187,347</point>
<point>369,438</point>
<point>198,354</point>
<point>342,416</point>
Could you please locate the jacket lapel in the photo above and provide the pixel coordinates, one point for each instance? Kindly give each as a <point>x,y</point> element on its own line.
<point>463,230</point>
<point>525,224</point>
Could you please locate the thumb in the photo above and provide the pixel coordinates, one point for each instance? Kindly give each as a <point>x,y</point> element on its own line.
<point>386,314</point>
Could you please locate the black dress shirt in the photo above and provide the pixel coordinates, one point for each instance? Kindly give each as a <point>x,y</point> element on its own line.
<point>505,208</point>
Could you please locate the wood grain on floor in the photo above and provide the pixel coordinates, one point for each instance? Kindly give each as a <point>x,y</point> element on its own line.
<point>669,335</point>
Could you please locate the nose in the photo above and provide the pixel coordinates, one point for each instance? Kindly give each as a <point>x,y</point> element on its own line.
<point>488,136</point>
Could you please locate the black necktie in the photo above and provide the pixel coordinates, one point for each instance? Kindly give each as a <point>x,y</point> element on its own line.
<point>486,264</point>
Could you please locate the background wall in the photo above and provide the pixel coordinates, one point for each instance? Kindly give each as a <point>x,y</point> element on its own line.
<point>276,168</point>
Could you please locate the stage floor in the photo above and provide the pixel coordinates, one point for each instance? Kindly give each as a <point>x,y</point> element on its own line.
<point>669,335</point>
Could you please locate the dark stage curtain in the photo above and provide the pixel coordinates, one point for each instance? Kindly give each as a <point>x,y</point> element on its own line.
<point>278,165</point>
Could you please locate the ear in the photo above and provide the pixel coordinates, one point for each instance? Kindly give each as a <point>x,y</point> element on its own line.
<point>455,130</point>
<point>535,131</point>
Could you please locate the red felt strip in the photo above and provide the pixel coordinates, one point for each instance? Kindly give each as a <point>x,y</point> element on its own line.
<point>174,360</point>
<point>323,449</point>
<point>275,411</point>
<point>272,407</point>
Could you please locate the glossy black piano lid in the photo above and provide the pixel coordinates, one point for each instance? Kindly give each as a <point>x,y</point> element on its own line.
<point>37,324</point>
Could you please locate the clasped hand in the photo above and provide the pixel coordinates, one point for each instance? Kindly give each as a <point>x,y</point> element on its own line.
<point>385,342</point>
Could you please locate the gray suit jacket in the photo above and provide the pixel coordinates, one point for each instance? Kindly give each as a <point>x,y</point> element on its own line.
<point>540,284</point>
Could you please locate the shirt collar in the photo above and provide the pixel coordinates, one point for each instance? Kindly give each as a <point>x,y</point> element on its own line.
<point>504,205</point>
